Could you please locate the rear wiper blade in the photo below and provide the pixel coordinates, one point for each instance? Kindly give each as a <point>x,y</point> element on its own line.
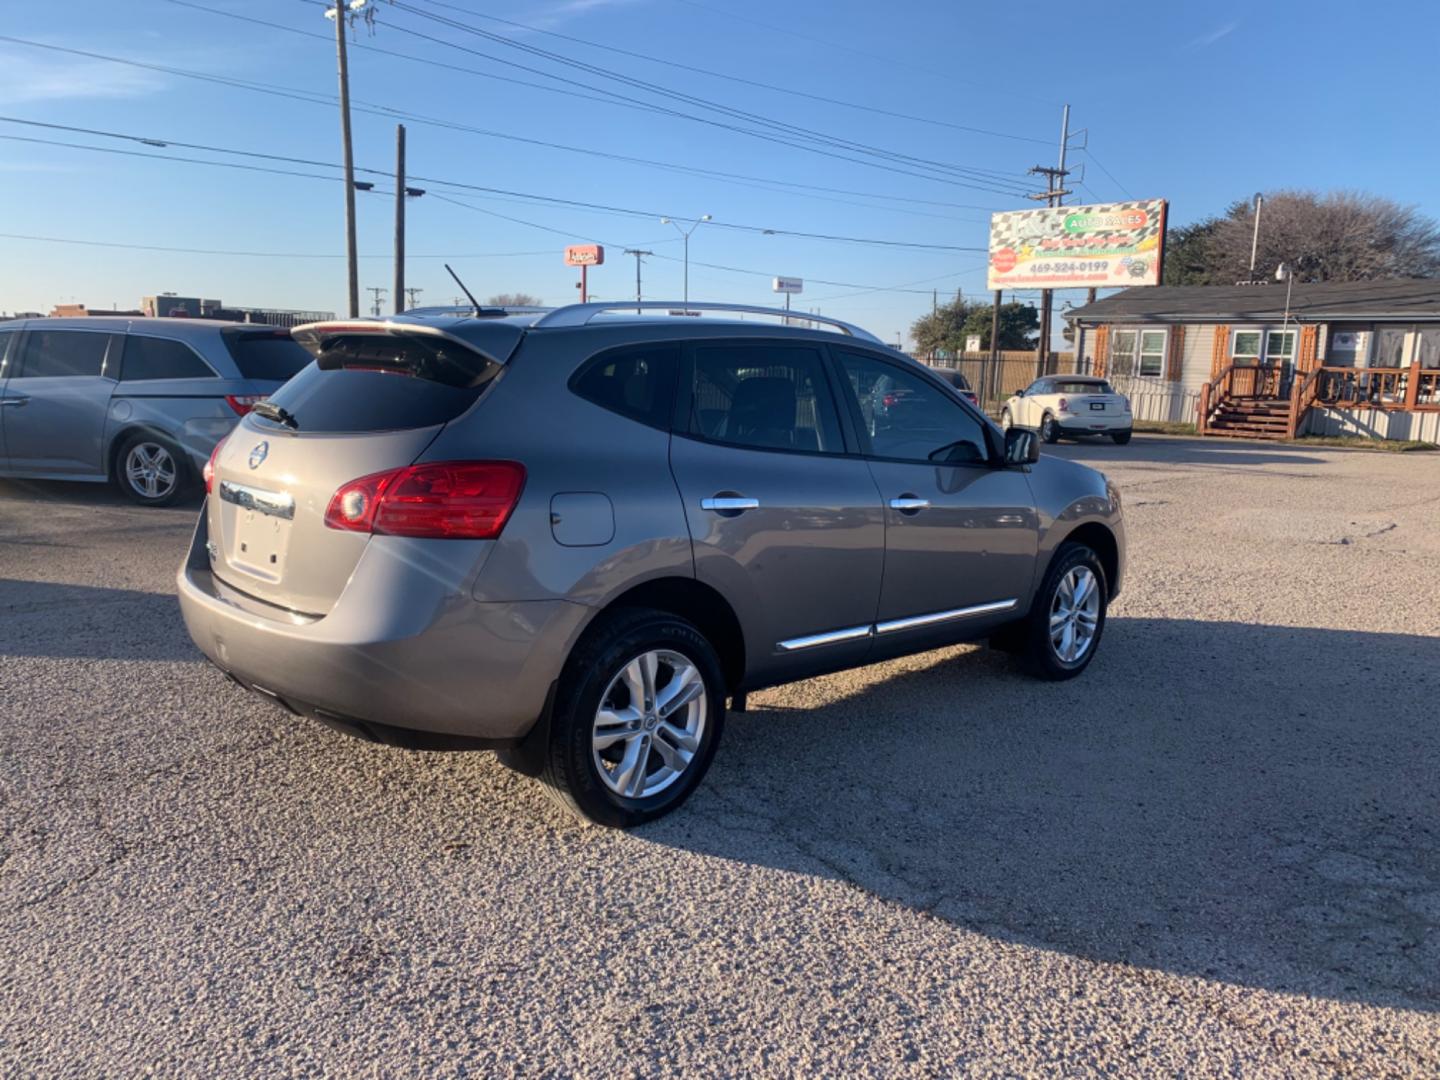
<point>278,413</point>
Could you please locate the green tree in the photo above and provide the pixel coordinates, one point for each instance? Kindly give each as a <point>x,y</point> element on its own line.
<point>1019,325</point>
<point>941,331</point>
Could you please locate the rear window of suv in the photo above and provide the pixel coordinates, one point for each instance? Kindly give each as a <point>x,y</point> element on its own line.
<point>267,355</point>
<point>384,382</point>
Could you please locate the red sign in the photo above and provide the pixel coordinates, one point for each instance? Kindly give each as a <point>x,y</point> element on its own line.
<point>584,255</point>
<point>1004,260</point>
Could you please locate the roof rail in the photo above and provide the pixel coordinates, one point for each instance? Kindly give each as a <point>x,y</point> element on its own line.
<point>580,314</point>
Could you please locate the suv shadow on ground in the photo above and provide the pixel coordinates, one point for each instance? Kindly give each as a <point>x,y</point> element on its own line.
<point>1254,804</point>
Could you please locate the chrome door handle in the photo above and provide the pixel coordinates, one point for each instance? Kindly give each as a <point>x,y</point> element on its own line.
<point>729,504</point>
<point>16,401</point>
<point>909,504</point>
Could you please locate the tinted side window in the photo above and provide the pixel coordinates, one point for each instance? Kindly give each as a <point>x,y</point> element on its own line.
<point>638,383</point>
<point>161,358</point>
<point>267,355</point>
<point>907,418</point>
<point>63,352</point>
<point>770,397</point>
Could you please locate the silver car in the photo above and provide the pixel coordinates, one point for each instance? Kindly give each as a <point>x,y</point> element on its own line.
<point>141,402</point>
<point>576,535</point>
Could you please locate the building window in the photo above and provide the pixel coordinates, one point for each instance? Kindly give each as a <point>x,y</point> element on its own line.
<point>1280,347</point>
<point>1245,348</point>
<point>1138,352</point>
<point>1122,352</point>
<point>1152,353</point>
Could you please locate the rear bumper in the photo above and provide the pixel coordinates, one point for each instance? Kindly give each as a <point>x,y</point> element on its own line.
<point>1080,424</point>
<point>401,658</point>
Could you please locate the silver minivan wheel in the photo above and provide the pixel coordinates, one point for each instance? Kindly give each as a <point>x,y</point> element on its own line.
<point>150,470</point>
<point>649,725</point>
<point>1075,614</point>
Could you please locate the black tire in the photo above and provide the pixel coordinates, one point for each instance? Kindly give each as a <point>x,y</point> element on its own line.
<point>1041,658</point>
<point>1049,429</point>
<point>569,769</point>
<point>157,490</point>
<point>1120,437</point>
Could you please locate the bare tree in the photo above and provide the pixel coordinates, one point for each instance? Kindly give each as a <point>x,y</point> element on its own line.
<point>1338,236</point>
<point>518,299</point>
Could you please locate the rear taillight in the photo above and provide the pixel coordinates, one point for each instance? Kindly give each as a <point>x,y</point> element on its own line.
<point>1125,403</point>
<point>457,500</point>
<point>209,471</point>
<point>243,403</point>
<point>1064,404</point>
<point>889,400</point>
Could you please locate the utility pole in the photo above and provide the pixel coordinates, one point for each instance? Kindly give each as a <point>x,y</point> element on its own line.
<point>638,255</point>
<point>399,218</point>
<point>1054,194</point>
<point>993,374</point>
<point>353,265</point>
<point>376,307</point>
<point>412,292</point>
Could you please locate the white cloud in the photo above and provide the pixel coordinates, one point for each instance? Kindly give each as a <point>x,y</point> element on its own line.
<point>1206,40</point>
<point>28,78</point>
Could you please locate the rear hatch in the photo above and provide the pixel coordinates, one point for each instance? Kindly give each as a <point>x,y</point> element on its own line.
<point>373,400</point>
<point>1089,401</point>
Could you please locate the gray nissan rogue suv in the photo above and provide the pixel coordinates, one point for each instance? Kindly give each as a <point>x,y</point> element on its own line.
<point>575,535</point>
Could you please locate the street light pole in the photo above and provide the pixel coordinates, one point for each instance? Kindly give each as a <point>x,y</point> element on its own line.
<point>686,234</point>
<point>353,296</point>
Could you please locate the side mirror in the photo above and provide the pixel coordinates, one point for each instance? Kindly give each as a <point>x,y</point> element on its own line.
<point>1021,447</point>
<point>1020,392</point>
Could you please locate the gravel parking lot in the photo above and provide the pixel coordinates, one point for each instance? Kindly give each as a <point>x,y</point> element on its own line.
<point>1217,853</point>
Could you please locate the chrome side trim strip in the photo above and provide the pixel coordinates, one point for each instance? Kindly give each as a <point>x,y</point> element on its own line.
<point>274,503</point>
<point>831,638</point>
<point>915,621</point>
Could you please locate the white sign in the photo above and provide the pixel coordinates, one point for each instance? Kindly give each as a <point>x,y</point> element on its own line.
<point>788,285</point>
<point>972,342</point>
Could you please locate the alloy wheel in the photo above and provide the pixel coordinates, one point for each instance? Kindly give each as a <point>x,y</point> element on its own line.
<point>150,470</point>
<point>650,723</point>
<point>1075,614</point>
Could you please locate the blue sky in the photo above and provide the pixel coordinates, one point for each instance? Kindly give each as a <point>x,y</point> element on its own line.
<point>1197,103</point>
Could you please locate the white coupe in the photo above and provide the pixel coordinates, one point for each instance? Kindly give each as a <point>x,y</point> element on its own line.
<point>1070,405</point>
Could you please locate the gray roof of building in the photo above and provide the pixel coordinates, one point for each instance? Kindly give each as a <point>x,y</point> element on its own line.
<point>1401,298</point>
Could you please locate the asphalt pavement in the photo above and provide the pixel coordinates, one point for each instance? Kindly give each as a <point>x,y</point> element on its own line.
<point>1217,853</point>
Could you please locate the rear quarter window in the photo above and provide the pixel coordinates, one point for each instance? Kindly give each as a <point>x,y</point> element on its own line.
<point>266,355</point>
<point>638,382</point>
<point>161,358</point>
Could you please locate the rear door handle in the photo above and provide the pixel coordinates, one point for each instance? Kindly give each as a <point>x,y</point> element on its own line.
<point>909,504</point>
<point>16,401</point>
<point>729,504</point>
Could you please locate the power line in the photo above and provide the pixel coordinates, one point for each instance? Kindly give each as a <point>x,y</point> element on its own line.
<point>788,129</point>
<point>973,184</point>
<point>529,196</point>
<point>263,254</point>
<point>376,109</point>
<point>695,69</point>
<point>1090,154</point>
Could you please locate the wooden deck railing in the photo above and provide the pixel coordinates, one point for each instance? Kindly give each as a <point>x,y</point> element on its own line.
<point>1407,389</point>
<point>1236,381</point>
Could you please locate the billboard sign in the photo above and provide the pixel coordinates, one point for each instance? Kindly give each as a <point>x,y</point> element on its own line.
<point>788,285</point>
<point>1106,245</point>
<point>584,255</point>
